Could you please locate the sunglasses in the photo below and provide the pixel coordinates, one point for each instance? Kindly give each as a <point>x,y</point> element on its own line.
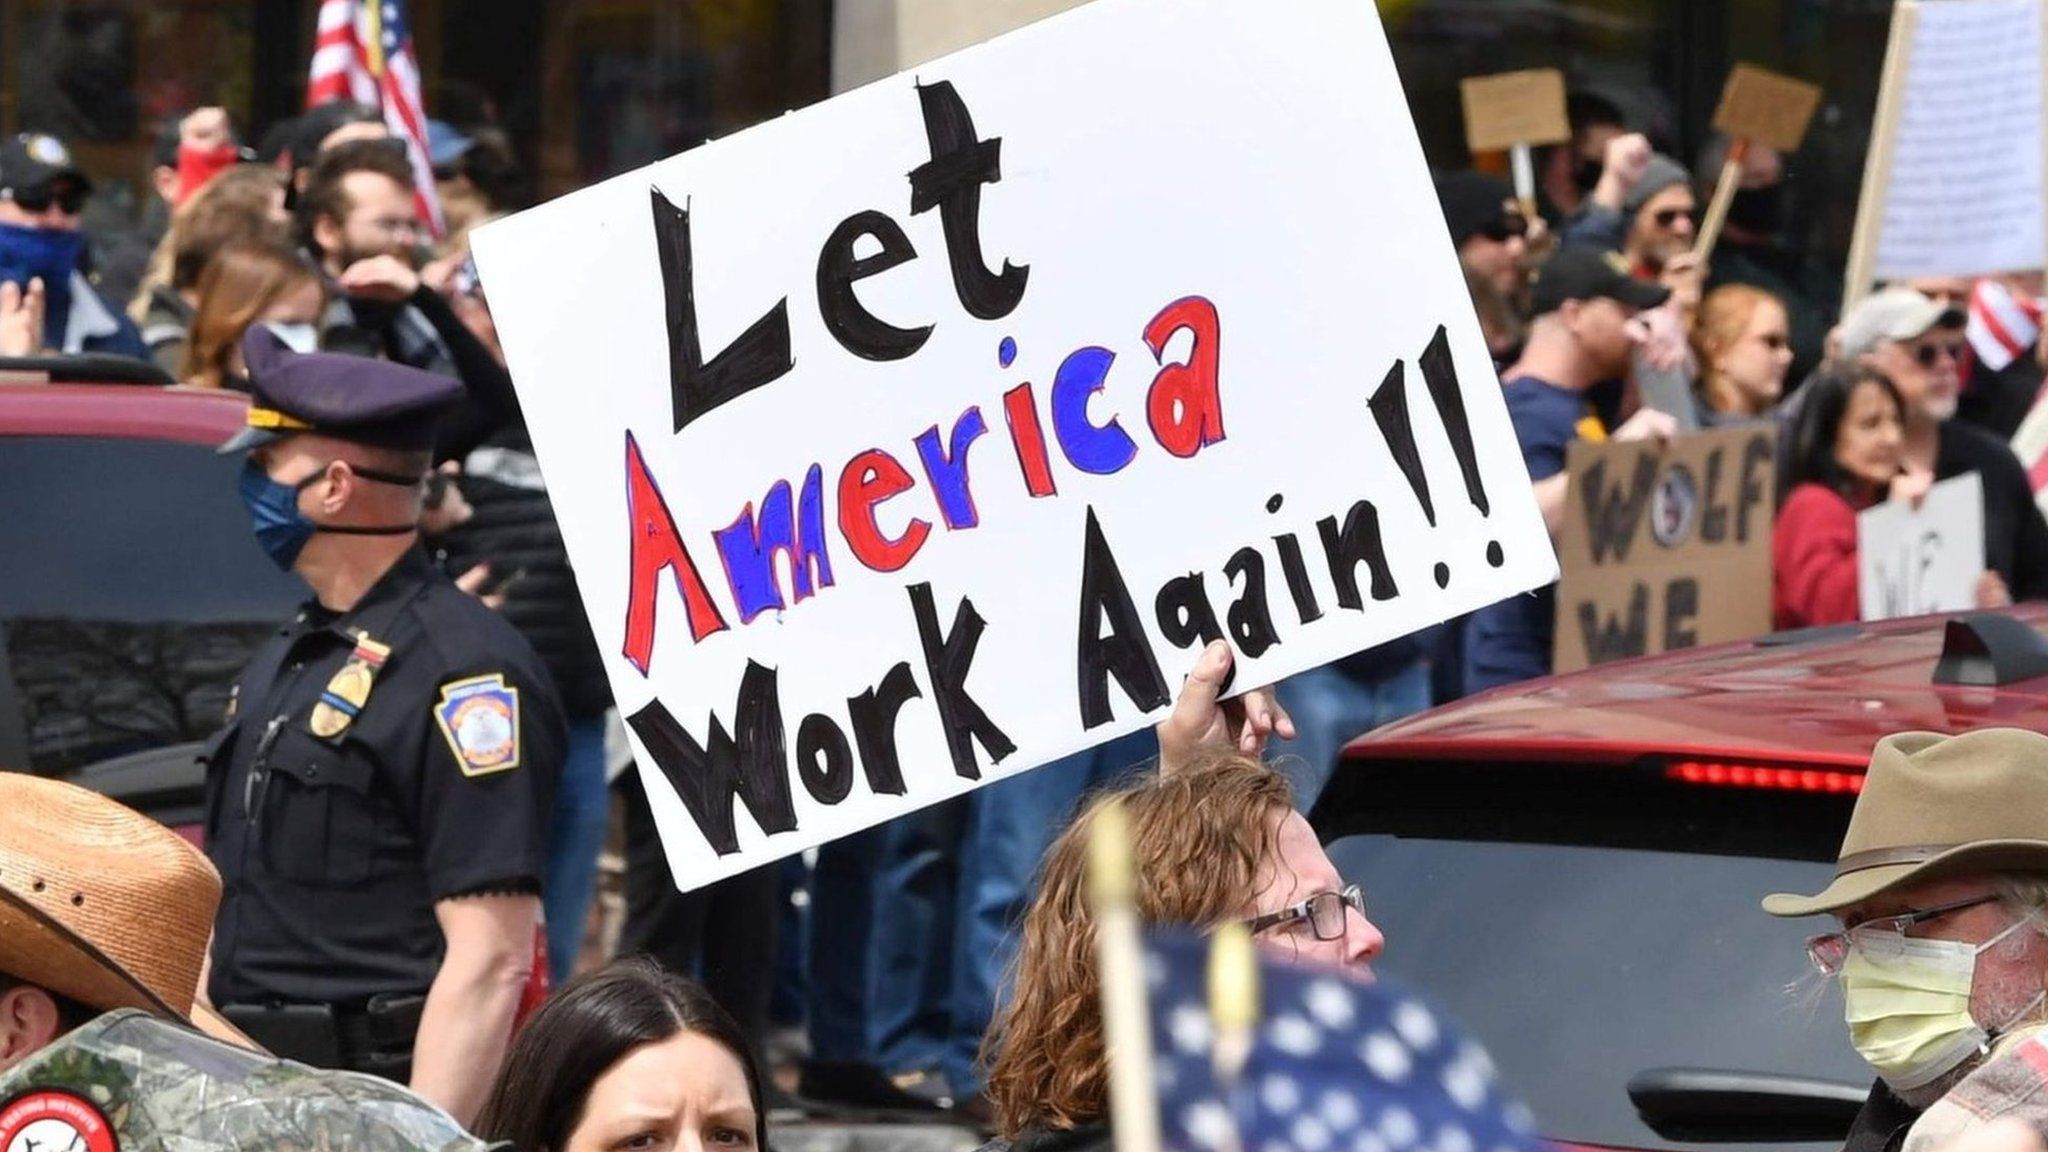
<point>1505,228</point>
<point>1925,355</point>
<point>1666,217</point>
<point>70,198</point>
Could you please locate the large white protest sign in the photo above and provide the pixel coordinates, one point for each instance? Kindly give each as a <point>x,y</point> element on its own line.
<point>1911,561</point>
<point>1953,186</point>
<point>925,435</point>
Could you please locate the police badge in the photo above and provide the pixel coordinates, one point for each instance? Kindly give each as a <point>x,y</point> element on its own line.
<point>349,690</point>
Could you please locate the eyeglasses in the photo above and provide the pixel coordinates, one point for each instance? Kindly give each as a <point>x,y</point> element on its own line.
<point>1324,912</point>
<point>1829,952</point>
<point>71,198</point>
<point>1666,217</point>
<point>1507,227</point>
<point>1926,354</point>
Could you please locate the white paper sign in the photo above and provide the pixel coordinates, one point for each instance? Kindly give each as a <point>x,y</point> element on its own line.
<point>1912,561</point>
<point>1965,195</point>
<point>923,436</point>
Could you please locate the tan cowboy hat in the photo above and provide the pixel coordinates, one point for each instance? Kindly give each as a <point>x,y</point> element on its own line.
<point>100,903</point>
<point>1935,806</point>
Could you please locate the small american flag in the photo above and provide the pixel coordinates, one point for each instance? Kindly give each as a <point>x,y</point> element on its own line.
<point>1336,1065</point>
<point>363,52</point>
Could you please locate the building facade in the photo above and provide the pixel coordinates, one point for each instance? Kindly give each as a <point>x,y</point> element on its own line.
<point>589,88</point>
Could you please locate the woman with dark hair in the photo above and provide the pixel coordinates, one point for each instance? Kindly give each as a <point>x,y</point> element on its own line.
<point>1847,455</point>
<point>629,1057</point>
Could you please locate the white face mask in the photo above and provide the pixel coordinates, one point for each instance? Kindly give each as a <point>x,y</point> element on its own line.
<point>297,336</point>
<point>1908,1005</point>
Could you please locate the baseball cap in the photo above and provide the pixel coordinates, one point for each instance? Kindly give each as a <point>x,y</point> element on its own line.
<point>1895,313</point>
<point>1577,272</point>
<point>33,161</point>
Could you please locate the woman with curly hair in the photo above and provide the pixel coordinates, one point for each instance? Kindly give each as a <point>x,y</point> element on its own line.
<point>1215,839</point>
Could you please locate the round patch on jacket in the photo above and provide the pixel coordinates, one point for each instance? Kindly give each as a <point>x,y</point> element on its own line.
<point>51,1120</point>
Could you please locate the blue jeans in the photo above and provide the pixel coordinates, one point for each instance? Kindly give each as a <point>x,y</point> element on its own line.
<point>952,887</point>
<point>575,837</point>
<point>842,915</point>
<point>1334,703</point>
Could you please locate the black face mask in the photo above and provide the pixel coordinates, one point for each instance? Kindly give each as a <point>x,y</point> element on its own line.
<point>1587,175</point>
<point>1758,210</point>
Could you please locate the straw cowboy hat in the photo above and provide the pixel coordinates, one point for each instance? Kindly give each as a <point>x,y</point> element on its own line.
<point>100,903</point>
<point>1935,806</point>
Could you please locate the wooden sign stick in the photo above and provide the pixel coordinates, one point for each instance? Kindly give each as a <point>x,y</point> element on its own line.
<point>1523,165</point>
<point>1724,195</point>
<point>1120,969</point>
<point>1877,165</point>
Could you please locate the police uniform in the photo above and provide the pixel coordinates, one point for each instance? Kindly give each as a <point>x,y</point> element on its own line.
<point>377,761</point>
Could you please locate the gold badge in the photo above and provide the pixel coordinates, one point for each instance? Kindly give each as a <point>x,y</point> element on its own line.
<point>349,689</point>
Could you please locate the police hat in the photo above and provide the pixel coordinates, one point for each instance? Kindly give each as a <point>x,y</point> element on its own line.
<point>354,398</point>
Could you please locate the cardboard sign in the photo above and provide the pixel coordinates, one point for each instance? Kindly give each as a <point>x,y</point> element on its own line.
<point>925,435</point>
<point>1953,184</point>
<point>1761,105</point>
<point>1912,561</point>
<point>1512,108</point>
<point>1665,548</point>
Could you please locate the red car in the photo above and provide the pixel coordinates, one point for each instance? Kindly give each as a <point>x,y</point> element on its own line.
<point>132,591</point>
<point>1572,865</point>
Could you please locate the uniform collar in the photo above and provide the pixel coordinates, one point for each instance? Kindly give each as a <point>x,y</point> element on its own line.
<point>391,589</point>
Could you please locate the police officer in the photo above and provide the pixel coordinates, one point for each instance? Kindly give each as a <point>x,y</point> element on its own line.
<point>378,803</point>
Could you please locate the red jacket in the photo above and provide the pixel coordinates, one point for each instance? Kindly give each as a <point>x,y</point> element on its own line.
<point>1813,560</point>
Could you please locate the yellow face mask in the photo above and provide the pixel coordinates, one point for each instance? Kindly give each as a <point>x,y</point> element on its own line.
<point>1908,1005</point>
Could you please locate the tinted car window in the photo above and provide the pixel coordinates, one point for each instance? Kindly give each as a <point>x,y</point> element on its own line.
<point>1590,924</point>
<point>131,593</point>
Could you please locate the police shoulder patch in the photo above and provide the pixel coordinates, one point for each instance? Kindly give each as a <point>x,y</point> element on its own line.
<point>479,717</point>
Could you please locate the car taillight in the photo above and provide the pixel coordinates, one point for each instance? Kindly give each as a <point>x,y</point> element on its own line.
<point>1729,774</point>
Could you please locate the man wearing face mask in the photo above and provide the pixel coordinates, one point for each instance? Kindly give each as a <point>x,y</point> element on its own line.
<point>378,803</point>
<point>1752,251</point>
<point>42,194</point>
<point>1941,890</point>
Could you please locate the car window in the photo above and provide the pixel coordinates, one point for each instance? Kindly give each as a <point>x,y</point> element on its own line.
<point>131,594</point>
<point>1588,925</point>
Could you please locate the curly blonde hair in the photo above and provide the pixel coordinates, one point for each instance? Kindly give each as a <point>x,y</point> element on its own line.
<point>1203,841</point>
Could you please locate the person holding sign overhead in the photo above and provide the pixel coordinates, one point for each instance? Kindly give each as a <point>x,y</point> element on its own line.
<point>1918,343</point>
<point>1586,331</point>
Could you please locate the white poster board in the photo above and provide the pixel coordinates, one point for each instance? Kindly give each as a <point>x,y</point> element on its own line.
<point>1964,195</point>
<point>1911,561</point>
<point>924,435</point>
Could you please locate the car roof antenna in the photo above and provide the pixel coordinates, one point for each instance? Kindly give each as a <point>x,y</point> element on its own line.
<point>1987,649</point>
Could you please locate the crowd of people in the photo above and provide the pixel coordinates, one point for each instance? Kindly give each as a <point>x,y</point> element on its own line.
<point>407,802</point>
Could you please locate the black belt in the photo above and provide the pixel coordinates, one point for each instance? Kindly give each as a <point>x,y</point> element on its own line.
<point>374,1037</point>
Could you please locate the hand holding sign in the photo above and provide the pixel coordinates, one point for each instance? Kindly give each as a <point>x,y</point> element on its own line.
<point>1514,110</point>
<point>1202,719</point>
<point>1758,108</point>
<point>1923,550</point>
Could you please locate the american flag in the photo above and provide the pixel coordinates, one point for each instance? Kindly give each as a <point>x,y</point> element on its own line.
<point>1336,1065</point>
<point>363,52</point>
